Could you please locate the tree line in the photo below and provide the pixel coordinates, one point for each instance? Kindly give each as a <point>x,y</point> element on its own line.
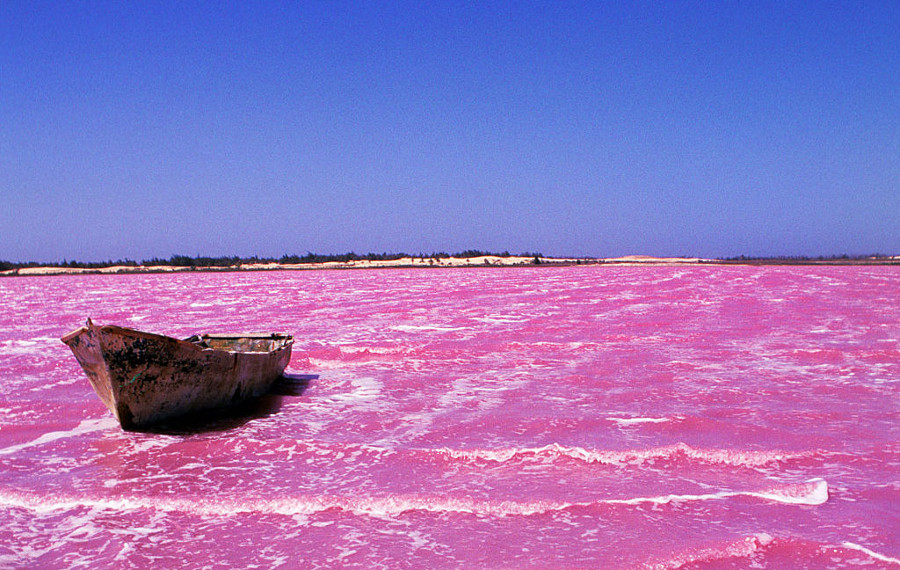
<point>803,259</point>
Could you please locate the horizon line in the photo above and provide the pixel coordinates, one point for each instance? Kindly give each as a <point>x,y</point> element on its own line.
<point>202,261</point>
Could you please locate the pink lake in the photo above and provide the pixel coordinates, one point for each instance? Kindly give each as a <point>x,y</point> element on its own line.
<point>573,417</point>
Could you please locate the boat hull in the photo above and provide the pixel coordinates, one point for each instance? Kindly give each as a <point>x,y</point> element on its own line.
<point>145,378</point>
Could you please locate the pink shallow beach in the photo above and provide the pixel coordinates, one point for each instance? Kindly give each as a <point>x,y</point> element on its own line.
<point>600,417</point>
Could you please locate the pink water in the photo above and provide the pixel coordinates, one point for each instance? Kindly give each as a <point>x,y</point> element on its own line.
<point>600,417</point>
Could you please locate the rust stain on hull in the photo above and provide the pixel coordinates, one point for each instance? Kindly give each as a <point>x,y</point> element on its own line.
<point>145,378</point>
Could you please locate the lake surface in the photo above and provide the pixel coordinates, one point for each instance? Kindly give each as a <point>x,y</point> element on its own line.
<point>587,416</point>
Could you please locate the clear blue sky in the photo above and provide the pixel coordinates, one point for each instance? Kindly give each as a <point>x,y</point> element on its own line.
<point>142,129</point>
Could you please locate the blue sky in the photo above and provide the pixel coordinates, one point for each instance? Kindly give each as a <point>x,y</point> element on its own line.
<point>132,129</point>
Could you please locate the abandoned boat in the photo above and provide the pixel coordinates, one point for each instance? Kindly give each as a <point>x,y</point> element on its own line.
<point>146,378</point>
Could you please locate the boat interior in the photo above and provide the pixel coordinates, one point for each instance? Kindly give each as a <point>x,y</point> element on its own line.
<point>242,343</point>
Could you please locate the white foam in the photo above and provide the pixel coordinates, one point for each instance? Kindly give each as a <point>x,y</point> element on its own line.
<point>810,493</point>
<point>86,426</point>
<point>140,443</point>
<point>365,391</point>
<point>871,553</point>
<point>501,319</point>
<point>374,350</point>
<point>420,328</point>
<point>44,505</point>
<point>18,347</point>
<point>742,548</point>
<point>552,451</point>
<point>632,421</point>
<point>388,506</point>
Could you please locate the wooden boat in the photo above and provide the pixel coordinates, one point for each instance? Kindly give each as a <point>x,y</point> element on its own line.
<point>146,378</point>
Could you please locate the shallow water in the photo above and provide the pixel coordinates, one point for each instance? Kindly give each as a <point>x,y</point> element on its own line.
<point>614,417</point>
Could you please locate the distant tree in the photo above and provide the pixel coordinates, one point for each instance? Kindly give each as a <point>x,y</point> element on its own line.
<point>471,253</point>
<point>182,261</point>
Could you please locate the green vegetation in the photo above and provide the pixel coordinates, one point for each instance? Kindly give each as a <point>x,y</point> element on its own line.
<point>7,265</point>
<point>843,259</point>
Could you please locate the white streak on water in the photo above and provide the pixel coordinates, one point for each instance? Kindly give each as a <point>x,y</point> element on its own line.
<point>420,328</point>
<point>871,553</point>
<point>86,426</point>
<point>17,347</point>
<point>631,421</point>
<point>365,393</point>
<point>816,493</point>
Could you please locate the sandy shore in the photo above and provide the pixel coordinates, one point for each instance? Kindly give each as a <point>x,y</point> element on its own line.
<point>483,261</point>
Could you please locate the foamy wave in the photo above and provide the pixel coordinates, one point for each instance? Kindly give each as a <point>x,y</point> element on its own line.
<point>812,492</point>
<point>742,548</point>
<point>86,426</point>
<point>751,547</point>
<point>307,505</point>
<point>627,457</point>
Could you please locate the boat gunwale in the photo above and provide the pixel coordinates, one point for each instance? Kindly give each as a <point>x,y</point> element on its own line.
<point>287,340</point>
<point>72,334</point>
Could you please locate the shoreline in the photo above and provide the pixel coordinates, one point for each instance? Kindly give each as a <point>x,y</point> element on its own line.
<point>444,262</point>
